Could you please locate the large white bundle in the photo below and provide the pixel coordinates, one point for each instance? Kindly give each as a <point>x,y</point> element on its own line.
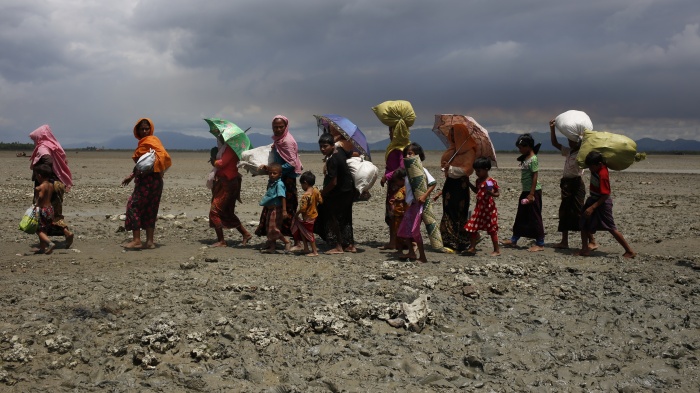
<point>572,124</point>
<point>252,159</point>
<point>363,172</point>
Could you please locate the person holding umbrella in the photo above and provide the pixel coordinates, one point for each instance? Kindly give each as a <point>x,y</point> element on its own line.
<point>286,153</point>
<point>142,208</point>
<point>226,180</point>
<point>48,151</point>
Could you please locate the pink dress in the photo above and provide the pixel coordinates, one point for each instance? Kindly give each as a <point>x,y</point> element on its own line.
<point>485,215</point>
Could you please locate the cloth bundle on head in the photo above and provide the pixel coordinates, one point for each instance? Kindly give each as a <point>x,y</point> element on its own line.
<point>149,142</point>
<point>45,143</point>
<point>400,116</point>
<point>286,146</point>
<point>462,150</point>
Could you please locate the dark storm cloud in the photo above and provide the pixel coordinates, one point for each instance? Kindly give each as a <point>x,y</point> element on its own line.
<point>634,66</point>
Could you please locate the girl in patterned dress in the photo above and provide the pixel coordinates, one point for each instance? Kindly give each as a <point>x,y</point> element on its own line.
<point>485,216</point>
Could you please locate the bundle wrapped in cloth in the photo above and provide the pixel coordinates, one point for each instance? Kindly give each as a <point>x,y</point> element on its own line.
<point>618,151</point>
<point>419,185</point>
<point>363,173</point>
<point>391,113</point>
<point>253,158</point>
<point>572,124</point>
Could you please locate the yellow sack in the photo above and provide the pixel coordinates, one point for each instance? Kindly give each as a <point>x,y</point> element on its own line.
<point>390,113</point>
<point>619,151</point>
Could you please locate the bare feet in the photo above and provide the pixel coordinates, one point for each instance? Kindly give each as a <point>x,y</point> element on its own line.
<point>469,251</point>
<point>149,246</point>
<point>561,246</point>
<point>246,239</point>
<point>287,247</point>
<point>629,255</point>
<point>218,244</point>
<point>592,246</point>
<point>495,253</point>
<point>584,253</point>
<point>535,248</point>
<point>350,248</point>
<point>297,249</point>
<point>50,248</point>
<point>69,239</point>
<point>509,243</point>
<point>312,254</point>
<point>334,251</point>
<point>133,245</point>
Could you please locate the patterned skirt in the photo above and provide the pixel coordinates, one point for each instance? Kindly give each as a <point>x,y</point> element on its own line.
<point>290,184</point>
<point>222,213</point>
<point>455,213</point>
<point>142,208</point>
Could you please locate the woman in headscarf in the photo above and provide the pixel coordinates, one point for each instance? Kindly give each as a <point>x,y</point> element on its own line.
<point>226,190</point>
<point>286,153</point>
<point>457,164</point>
<point>48,151</point>
<point>142,208</point>
<point>398,116</point>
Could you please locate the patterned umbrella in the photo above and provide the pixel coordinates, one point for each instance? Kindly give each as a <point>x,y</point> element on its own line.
<point>484,146</point>
<point>232,134</point>
<point>348,129</point>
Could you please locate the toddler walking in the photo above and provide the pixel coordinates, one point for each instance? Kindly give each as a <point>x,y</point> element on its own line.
<point>485,216</point>
<point>597,212</point>
<point>305,217</point>
<point>528,219</point>
<point>42,174</point>
<point>398,200</point>
<point>274,200</point>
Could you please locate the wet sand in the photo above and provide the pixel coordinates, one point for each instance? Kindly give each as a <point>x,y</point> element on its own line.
<point>185,317</point>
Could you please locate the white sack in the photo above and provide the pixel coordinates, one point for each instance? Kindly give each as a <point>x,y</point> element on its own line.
<point>253,158</point>
<point>572,124</point>
<point>363,172</point>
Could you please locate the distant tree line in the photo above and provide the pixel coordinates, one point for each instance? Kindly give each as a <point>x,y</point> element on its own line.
<point>16,146</point>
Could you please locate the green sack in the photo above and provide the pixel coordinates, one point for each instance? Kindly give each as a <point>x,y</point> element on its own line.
<point>390,113</point>
<point>30,221</point>
<point>619,151</point>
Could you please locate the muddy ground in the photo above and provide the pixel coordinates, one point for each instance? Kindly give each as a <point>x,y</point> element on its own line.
<point>185,317</point>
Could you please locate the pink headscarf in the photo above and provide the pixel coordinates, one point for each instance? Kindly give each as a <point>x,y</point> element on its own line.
<point>286,146</point>
<point>46,144</point>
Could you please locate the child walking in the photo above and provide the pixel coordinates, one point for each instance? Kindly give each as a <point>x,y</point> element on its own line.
<point>528,219</point>
<point>573,191</point>
<point>398,200</point>
<point>305,217</point>
<point>485,216</point>
<point>274,200</point>
<point>42,174</point>
<point>409,230</point>
<point>597,212</point>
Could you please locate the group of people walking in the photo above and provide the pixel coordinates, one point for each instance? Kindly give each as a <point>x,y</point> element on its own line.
<point>327,212</point>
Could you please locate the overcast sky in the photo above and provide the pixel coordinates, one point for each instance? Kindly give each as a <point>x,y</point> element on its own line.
<point>90,68</point>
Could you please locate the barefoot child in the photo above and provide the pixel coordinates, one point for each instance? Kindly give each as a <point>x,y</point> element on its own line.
<point>597,212</point>
<point>409,230</point>
<point>274,200</point>
<point>573,191</point>
<point>303,223</point>
<point>44,190</point>
<point>528,219</point>
<point>485,216</point>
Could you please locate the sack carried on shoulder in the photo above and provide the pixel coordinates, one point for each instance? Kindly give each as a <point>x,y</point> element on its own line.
<point>363,173</point>
<point>30,221</point>
<point>253,158</point>
<point>146,161</point>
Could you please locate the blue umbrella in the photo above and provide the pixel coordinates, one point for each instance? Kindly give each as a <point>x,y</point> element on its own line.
<point>348,129</point>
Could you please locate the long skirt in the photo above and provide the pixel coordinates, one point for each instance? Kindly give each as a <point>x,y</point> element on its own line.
<point>303,230</point>
<point>223,203</point>
<point>391,190</point>
<point>273,221</point>
<point>528,219</point>
<point>455,213</point>
<point>573,193</point>
<point>601,219</point>
<point>290,184</point>
<point>142,208</point>
<point>410,225</point>
<point>59,224</point>
<point>334,221</point>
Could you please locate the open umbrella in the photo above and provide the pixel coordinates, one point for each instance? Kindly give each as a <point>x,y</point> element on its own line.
<point>236,138</point>
<point>484,146</point>
<point>348,129</point>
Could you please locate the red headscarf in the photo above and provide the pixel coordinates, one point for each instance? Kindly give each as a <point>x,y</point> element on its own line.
<point>286,146</point>
<point>149,142</point>
<point>45,143</point>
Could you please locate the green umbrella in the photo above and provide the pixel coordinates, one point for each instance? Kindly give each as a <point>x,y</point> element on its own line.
<point>232,134</point>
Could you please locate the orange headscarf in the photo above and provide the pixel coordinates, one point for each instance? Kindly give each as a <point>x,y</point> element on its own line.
<point>149,142</point>
<point>461,143</point>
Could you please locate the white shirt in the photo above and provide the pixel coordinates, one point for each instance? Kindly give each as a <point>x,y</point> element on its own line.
<point>571,168</point>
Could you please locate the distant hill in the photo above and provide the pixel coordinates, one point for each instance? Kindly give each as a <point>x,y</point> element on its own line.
<point>502,141</point>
